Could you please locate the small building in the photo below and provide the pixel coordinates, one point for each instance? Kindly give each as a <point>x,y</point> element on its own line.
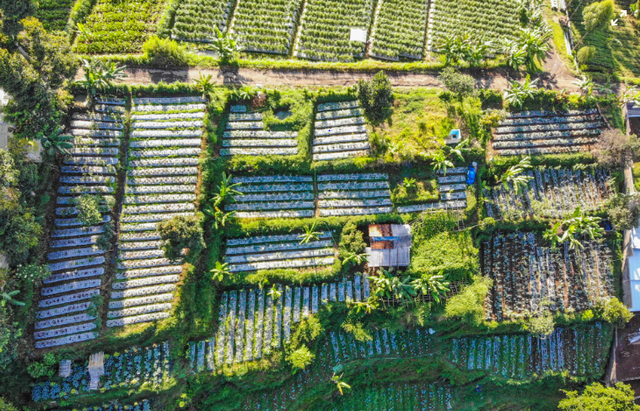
<point>390,245</point>
<point>34,154</point>
<point>632,114</point>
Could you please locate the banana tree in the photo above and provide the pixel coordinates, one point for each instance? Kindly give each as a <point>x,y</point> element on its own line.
<point>516,94</point>
<point>515,176</point>
<point>55,144</point>
<point>226,190</point>
<point>99,76</point>
<point>340,385</point>
<point>204,84</point>
<point>7,297</point>
<point>220,271</point>
<point>435,284</point>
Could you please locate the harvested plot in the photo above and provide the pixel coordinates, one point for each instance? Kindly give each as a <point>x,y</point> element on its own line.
<point>273,197</point>
<point>453,195</point>
<point>552,193</point>
<point>266,26</point>
<point>488,19</point>
<point>245,134</point>
<point>326,29</point>
<point>399,30</point>
<point>279,251</point>
<point>253,324</point>
<point>75,260</point>
<point>581,351</point>
<point>196,20</point>
<point>164,151</point>
<point>116,26</point>
<point>339,131</point>
<point>353,194</point>
<point>132,368</point>
<point>526,275</point>
<point>537,132</point>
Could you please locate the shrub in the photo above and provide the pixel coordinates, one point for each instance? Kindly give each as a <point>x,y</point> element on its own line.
<point>624,211</point>
<point>32,273</point>
<point>301,357</point>
<point>352,240</point>
<point>541,325</point>
<point>468,305</point>
<point>88,207</point>
<point>181,232</point>
<point>376,97</point>
<point>165,52</point>
<point>616,149</point>
<point>462,85</point>
<point>612,311</point>
<point>106,237</point>
<point>597,397</point>
<point>586,54</point>
<point>44,368</point>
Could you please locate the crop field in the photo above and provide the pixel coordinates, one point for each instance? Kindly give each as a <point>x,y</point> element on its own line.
<point>116,26</point>
<point>399,30</point>
<point>326,26</point>
<point>266,26</point>
<point>528,276</point>
<point>196,20</point>
<point>54,13</point>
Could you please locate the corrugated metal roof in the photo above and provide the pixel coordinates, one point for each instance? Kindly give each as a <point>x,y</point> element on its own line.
<point>398,257</point>
<point>633,110</point>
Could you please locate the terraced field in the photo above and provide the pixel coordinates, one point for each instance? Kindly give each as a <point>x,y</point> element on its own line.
<point>453,195</point>
<point>196,20</point>
<point>399,29</point>
<point>340,131</point>
<point>66,312</point>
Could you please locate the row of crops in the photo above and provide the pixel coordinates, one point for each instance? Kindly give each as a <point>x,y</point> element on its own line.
<point>551,193</point>
<point>254,322</point>
<point>162,173</point>
<point>540,132</point>
<point>339,131</point>
<point>581,351</point>
<point>245,134</point>
<point>116,26</point>
<point>144,405</point>
<point>150,366</point>
<point>54,13</point>
<point>399,29</point>
<point>196,20</point>
<point>528,277</point>
<point>66,313</point>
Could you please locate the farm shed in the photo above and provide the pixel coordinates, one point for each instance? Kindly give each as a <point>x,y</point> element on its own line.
<point>632,113</point>
<point>390,245</point>
<point>631,274</point>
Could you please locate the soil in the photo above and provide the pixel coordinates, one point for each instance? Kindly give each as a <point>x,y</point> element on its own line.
<point>628,355</point>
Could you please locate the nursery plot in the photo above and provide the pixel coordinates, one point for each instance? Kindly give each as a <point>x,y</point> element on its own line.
<point>453,195</point>
<point>551,193</point>
<point>537,132</point>
<point>273,196</point>
<point>196,20</point>
<point>581,351</point>
<point>353,194</point>
<point>76,261</point>
<point>245,135</point>
<point>326,29</point>
<point>399,29</point>
<point>488,19</point>
<point>395,396</point>
<point>525,275</point>
<point>144,405</point>
<point>252,322</point>
<point>162,174</point>
<point>266,26</point>
<point>132,368</point>
<point>116,26</point>
<point>279,251</point>
<point>340,131</point>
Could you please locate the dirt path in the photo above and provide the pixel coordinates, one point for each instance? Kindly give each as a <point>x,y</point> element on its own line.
<point>556,77</point>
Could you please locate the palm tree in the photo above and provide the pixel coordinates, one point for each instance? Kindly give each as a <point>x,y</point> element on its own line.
<point>56,144</point>
<point>585,84</point>
<point>98,76</point>
<point>403,290</point>
<point>517,93</point>
<point>340,385</point>
<point>535,44</point>
<point>515,176</point>
<point>440,161</point>
<point>354,259</point>
<point>434,284</point>
<point>7,297</point>
<point>366,306</point>
<point>226,190</point>
<point>382,284</point>
<point>225,45</point>
<point>204,84</point>
<point>578,225</point>
<point>457,150</point>
<point>309,234</point>
<point>220,271</point>
<point>219,217</point>
<point>514,54</point>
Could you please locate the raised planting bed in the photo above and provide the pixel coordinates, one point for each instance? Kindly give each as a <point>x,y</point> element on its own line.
<point>353,194</point>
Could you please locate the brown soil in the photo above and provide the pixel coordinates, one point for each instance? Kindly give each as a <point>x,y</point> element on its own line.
<point>628,355</point>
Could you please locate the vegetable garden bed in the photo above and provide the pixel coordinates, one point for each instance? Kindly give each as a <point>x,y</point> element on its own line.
<point>340,131</point>
<point>196,20</point>
<point>399,30</point>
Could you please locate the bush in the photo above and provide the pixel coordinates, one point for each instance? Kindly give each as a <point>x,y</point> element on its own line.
<point>597,397</point>
<point>181,232</point>
<point>462,85</point>
<point>44,368</point>
<point>88,207</point>
<point>352,240</point>
<point>586,54</point>
<point>301,357</point>
<point>32,273</point>
<point>468,305</point>
<point>376,97</point>
<point>541,325</point>
<point>623,211</point>
<point>612,311</point>
<point>165,52</point>
<point>615,149</point>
